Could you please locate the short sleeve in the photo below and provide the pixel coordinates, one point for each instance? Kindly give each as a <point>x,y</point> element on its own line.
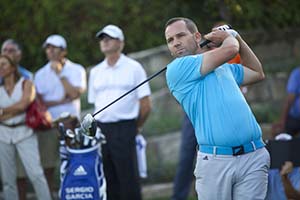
<point>294,82</point>
<point>76,76</point>
<point>140,76</point>
<point>38,82</point>
<point>183,71</point>
<point>237,72</point>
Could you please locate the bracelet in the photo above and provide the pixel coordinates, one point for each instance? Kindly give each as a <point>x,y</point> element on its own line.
<point>1,111</point>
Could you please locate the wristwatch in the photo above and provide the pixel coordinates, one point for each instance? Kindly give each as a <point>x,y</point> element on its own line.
<point>62,76</point>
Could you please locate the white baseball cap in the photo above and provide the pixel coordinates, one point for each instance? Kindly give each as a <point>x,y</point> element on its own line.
<point>56,40</point>
<point>112,31</point>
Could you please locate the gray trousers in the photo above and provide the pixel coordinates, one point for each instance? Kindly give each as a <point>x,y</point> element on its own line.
<point>226,177</point>
<point>29,155</point>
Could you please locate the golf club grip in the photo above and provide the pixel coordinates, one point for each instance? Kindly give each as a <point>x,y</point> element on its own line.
<point>204,42</point>
<point>61,129</point>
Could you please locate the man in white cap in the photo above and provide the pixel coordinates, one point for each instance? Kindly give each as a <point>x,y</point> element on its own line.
<point>120,122</point>
<point>59,84</point>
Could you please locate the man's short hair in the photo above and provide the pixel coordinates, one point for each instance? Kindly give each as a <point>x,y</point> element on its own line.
<point>191,26</point>
<point>11,41</point>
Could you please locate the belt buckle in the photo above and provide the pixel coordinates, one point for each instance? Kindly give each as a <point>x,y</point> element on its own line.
<point>238,150</point>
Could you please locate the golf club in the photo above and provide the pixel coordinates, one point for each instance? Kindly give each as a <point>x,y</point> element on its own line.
<point>202,44</point>
<point>88,124</point>
<point>142,83</point>
<point>222,28</point>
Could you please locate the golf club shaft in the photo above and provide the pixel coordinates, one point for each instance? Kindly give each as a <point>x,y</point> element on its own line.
<point>204,42</point>
<point>142,83</point>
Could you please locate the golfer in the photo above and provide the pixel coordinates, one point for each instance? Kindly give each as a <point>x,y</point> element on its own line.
<point>232,162</point>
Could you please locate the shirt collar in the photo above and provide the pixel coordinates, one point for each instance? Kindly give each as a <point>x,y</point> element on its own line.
<point>118,63</point>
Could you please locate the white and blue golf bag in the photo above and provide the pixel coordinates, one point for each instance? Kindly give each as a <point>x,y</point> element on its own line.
<point>82,175</point>
<point>81,170</point>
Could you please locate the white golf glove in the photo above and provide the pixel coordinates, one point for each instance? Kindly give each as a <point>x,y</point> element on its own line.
<point>228,29</point>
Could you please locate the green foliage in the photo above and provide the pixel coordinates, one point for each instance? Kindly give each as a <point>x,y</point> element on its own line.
<point>266,112</point>
<point>165,117</point>
<point>30,21</point>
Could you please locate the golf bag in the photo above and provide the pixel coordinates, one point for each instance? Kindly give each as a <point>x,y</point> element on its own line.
<point>82,175</point>
<point>81,170</point>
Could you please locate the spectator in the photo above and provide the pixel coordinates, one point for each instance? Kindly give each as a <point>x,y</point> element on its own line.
<point>16,94</point>
<point>120,122</point>
<point>281,182</point>
<point>13,50</point>
<point>290,116</point>
<point>232,162</point>
<point>290,191</point>
<point>59,84</point>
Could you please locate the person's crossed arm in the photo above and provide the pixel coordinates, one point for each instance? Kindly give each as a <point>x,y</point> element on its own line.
<point>71,91</point>
<point>17,108</point>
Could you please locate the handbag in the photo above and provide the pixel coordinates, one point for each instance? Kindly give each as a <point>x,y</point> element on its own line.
<point>37,116</point>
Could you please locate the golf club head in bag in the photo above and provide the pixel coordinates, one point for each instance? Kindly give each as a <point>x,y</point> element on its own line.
<point>61,129</point>
<point>88,134</point>
<point>70,138</point>
<point>66,136</point>
<point>89,125</point>
<point>98,138</point>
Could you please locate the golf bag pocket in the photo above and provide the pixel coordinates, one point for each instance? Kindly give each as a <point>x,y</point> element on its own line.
<point>82,176</point>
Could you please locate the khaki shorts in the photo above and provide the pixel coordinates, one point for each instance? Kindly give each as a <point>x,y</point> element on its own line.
<point>48,147</point>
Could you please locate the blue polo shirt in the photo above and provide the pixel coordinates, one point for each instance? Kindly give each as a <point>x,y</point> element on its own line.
<point>293,87</point>
<point>25,73</point>
<point>214,102</point>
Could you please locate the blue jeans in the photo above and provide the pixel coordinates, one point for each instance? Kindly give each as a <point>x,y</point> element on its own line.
<point>187,154</point>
